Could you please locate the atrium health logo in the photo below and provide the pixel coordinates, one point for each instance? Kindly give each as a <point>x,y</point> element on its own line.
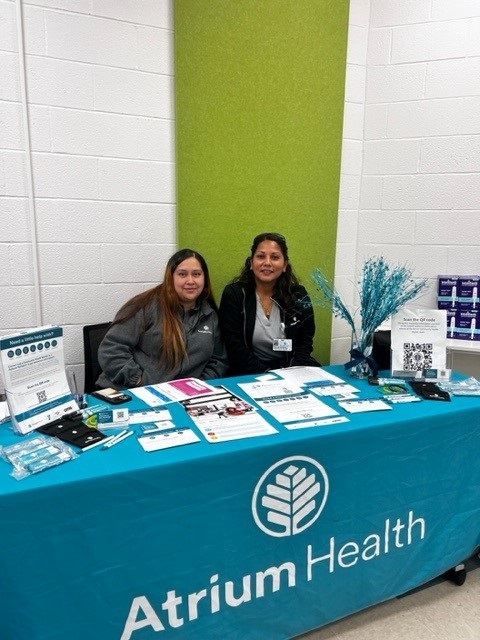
<point>290,496</point>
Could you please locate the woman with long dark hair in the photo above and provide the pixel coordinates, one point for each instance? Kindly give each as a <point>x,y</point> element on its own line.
<point>266,315</point>
<point>168,332</point>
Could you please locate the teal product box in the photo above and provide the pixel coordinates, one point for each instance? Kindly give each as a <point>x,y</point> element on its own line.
<point>447,292</point>
<point>468,325</point>
<point>468,292</point>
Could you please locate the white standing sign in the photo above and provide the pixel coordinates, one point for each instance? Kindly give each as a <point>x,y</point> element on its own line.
<point>35,380</point>
<point>419,342</point>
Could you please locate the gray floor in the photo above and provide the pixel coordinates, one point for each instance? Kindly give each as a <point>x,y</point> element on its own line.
<point>440,611</point>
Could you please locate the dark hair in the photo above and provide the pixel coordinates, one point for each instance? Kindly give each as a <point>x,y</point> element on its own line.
<point>170,296</point>
<point>274,237</point>
<point>287,281</point>
<point>173,346</point>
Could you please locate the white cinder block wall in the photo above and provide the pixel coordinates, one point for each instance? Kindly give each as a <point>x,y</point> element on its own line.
<point>100,210</point>
<point>98,217</point>
<point>410,187</point>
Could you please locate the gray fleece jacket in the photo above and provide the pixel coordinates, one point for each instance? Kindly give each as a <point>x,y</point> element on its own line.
<point>133,349</point>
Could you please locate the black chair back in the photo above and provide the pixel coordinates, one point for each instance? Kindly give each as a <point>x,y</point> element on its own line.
<point>93,334</point>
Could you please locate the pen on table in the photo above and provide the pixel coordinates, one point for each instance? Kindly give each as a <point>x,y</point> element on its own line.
<point>118,435</point>
<point>97,444</point>
<point>118,439</point>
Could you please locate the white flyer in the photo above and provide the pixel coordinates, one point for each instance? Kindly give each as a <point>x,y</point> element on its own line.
<point>295,407</point>
<point>167,439</point>
<point>142,417</point>
<point>419,342</point>
<point>360,406</point>
<point>149,396</point>
<point>36,384</point>
<point>216,428</point>
<point>308,376</point>
<point>337,391</point>
<point>287,402</point>
<point>270,388</point>
<point>322,422</point>
<point>4,413</point>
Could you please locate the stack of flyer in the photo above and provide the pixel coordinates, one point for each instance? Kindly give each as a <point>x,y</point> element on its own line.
<point>36,384</point>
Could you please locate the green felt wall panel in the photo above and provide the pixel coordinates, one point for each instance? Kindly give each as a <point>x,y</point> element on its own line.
<point>259,111</point>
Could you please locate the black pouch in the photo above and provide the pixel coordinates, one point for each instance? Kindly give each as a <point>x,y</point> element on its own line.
<point>85,437</point>
<point>429,390</point>
<point>61,425</point>
<point>72,430</point>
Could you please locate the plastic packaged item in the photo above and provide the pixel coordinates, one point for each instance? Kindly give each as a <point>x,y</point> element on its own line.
<point>36,454</point>
<point>468,387</point>
<point>375,380</point>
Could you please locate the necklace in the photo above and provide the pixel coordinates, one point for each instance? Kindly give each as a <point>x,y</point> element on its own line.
<point>266,304</point>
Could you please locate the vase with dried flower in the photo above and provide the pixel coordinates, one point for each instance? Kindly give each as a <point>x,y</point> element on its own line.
<point>383,290</point>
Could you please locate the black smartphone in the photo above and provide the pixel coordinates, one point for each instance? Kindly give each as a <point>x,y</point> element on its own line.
<point>113,396</point>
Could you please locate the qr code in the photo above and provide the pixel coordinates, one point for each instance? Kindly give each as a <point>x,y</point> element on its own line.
<point>41,396</point>
<point>417,356</point>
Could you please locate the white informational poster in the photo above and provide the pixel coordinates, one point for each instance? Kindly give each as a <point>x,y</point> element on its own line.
<point>419,342</point>
<point>36,384</point>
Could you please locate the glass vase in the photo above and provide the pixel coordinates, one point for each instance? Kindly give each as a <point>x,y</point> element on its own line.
<point>360,355</point>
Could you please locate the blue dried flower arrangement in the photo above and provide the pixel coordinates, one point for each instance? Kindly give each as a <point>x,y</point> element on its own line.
<point>384,290</point>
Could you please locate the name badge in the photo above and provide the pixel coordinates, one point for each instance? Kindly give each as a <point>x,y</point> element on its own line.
<point>282,344</point>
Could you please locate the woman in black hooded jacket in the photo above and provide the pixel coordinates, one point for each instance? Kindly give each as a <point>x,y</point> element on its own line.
<point>265,314</point>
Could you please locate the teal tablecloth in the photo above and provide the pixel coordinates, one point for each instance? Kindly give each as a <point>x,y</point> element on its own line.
<point>186,543</point>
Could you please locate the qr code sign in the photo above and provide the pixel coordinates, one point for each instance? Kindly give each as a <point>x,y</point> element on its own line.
<point>41,396</point>
<point>417,356</point>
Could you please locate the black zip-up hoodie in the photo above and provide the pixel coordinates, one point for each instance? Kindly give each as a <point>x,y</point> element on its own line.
<point>237,314</point>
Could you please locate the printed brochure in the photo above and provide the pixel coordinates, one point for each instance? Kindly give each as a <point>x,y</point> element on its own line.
<point>174,391</point>
<point>223,416</point>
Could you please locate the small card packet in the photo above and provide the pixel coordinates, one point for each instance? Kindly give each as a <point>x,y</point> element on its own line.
<point>108,418</point>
